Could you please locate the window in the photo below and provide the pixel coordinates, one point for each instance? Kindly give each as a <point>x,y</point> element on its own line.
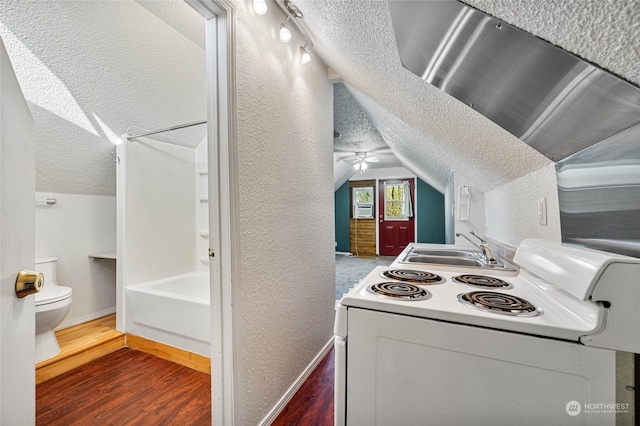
<point>397,201</point>
<point>363,202</point>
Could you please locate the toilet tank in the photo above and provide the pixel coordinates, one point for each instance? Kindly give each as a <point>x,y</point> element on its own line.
<point>48,266</point>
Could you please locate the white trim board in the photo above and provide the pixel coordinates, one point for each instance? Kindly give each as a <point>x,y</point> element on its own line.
<point>277,409</point>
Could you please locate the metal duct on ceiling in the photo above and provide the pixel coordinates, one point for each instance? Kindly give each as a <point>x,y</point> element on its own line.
<point>552,100</point>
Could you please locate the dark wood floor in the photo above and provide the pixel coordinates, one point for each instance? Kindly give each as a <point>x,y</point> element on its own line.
<point>313,403</point>
<point>129,387</point>
<point>126,387</point>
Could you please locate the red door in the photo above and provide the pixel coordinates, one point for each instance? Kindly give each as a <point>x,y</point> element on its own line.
<point>395,214</point>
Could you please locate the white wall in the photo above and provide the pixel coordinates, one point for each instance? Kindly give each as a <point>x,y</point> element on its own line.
<point>509,213</point>
<point>477,220</point>
<point>74,227</point>
<point>512,209</point>
<point>287,278</point>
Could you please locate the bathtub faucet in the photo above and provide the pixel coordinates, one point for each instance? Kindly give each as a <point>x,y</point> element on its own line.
<point>484,246</point>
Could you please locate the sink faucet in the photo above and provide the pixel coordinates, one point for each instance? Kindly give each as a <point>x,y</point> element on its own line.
<point>484,246</point>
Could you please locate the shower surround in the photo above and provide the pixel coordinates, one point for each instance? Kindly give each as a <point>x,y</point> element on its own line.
<point>163,274</point>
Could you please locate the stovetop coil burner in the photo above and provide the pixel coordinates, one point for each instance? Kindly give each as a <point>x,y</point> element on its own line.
<point>413,276</point>
<point>499,303</point>
<point>483,281</point>
<point>399,290</point>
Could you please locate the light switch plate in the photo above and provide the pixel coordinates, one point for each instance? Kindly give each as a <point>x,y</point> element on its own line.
<point>542,211</point>
<point>463,203</point>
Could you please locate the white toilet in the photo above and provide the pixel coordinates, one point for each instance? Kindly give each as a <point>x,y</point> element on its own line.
<point>52,306</point>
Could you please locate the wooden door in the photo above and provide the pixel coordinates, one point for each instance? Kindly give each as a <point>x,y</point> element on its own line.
<point>396,221</point>
<point>17,251</point>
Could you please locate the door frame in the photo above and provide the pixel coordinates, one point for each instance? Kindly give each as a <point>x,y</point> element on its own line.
<point>17,397</point>
<point>223,200</point>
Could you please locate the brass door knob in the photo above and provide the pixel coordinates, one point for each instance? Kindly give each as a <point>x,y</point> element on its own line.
<point>28,282</point>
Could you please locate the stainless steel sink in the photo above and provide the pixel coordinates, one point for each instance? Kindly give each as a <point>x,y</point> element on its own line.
<point>448,253</point>
<point>456,257</point>
<point>442,260</point>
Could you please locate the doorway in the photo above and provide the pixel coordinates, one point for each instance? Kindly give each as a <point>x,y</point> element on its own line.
<point>76,112</point>
<point>223,215</point>
<point>396,221</point>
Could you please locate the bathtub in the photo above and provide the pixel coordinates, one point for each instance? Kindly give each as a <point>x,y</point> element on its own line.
<point>174,311</point>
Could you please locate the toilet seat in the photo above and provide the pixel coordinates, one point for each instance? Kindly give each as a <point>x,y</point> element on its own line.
<point>52,294</point>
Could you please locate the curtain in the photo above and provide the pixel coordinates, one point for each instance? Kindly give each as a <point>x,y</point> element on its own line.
<point>407,207</point>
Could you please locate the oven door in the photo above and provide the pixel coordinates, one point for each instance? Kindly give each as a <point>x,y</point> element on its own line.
<point>411,371</point>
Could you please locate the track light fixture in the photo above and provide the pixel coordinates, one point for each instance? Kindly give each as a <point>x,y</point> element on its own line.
<point>285,34</point>
<point>305,58</point>
<point>260,6</point>
<point>292,11</point>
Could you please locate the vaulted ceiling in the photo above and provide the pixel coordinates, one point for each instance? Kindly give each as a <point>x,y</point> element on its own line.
<point>92,69</point>
<point>432,133</point>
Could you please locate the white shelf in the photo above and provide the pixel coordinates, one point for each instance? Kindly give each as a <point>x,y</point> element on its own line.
<point>103,255</point>
<point>204,234</point>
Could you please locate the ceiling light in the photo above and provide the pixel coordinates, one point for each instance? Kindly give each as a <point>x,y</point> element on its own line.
<point>361,165</point>
<point>260,6</point>
<point>294,15</point>
<point>285,34</point>
<point>304,55</point>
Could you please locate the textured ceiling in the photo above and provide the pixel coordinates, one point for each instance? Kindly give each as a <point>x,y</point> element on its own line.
<point>357,134</point>
<point>92,69</point>
<point>432,133</point>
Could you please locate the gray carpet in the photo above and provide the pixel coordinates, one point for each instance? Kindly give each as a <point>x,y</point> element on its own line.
<point>351,269</point>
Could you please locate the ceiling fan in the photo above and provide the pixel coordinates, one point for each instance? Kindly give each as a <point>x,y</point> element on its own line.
<point>361,160</point>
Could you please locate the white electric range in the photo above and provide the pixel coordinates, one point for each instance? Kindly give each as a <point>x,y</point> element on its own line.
<point>416,345</point>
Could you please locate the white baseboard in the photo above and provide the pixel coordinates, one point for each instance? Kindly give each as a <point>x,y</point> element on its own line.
<point>86,318</point>
<point>296,385</point>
